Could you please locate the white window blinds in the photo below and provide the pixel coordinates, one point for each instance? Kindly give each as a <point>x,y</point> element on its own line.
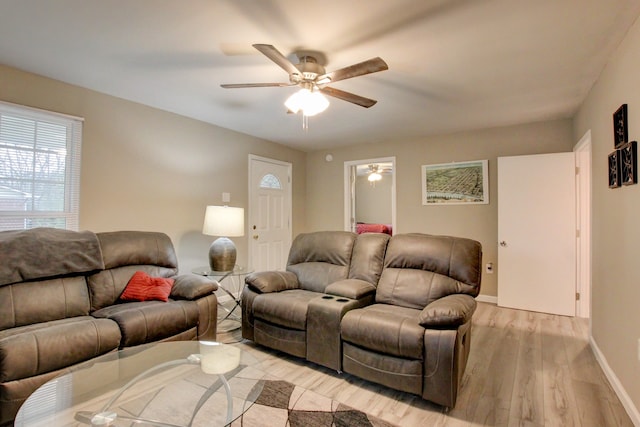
<point>39,168</point>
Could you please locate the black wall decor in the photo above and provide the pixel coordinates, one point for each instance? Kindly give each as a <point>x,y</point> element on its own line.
<point>623,163</point>
<point>614,170</point>
<point>620,131</point>
<point>628,163</point>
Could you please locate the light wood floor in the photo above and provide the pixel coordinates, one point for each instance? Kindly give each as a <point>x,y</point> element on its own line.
<point>525,369</point>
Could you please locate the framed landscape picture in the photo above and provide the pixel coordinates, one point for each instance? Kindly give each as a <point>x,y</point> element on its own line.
<point>456,183</point>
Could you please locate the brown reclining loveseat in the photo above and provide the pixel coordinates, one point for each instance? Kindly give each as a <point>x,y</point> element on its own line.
<point>59,303</point>
<point>395,311</point>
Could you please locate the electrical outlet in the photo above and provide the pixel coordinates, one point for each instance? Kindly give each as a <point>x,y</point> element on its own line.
<point>638,349</point>
<point>226,197</point>
<point>488,268</point>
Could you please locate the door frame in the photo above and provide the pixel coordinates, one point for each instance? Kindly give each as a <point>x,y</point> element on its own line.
<point>583,151</point>
<point>288,195</point>
<point>349,205</point>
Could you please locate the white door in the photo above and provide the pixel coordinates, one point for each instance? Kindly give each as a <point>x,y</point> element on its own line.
<point>269,213</point>
<point>537,233</point>
<point>583,225</point>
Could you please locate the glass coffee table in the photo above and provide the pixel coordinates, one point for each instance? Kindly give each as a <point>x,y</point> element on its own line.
<point>180,383</point>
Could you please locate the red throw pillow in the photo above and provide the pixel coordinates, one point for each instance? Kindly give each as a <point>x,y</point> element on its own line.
<point>142,287</point>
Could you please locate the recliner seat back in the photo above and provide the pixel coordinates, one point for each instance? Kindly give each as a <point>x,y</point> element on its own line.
<point>124,253</point>
<point>42,275</point>
<point>321,258</point>
<point>367,259</point>
<point>419,269</point>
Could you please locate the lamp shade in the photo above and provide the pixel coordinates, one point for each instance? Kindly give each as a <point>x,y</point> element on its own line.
<point>223,221</point>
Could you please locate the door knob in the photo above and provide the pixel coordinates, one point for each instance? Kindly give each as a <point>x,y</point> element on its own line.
<point>503,243</point>
<point>255,237</point>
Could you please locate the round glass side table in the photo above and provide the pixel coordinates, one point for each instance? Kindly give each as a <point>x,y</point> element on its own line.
<point>231,283</point>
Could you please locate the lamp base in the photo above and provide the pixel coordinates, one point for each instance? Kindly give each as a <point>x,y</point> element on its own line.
<point>222,255</point>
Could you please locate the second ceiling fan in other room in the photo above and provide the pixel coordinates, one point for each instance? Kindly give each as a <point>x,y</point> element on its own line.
<point>311,76</point>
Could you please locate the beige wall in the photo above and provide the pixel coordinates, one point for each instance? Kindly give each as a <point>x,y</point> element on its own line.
<point>325,188</point>
<point>146,169</point>
<point>616,218</point>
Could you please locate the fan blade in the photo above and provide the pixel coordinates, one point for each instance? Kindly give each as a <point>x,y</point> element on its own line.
<point>349,97</point>
<point>367,67</point>
<point>241,85</point>
<point>274,54</point>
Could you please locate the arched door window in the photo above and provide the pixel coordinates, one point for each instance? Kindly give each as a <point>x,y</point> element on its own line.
<point>270,181</point>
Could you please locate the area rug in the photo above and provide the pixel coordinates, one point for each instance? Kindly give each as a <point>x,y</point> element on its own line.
<point>282,404</point>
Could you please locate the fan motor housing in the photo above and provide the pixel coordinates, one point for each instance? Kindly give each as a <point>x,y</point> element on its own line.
<point>309,68</point>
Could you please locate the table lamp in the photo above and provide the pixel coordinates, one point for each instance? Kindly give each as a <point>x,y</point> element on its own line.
<point>225,222</point>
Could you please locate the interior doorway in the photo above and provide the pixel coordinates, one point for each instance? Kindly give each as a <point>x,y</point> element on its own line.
<point>370,199</point>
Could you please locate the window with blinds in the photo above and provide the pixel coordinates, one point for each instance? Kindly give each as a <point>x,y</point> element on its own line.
<point>39,168</point>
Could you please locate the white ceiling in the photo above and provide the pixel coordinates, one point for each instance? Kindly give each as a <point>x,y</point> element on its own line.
<point>453,64</point>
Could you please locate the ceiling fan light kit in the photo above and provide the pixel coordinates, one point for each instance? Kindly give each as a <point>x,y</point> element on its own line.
<point>309,101</point>
<point>374,174</point>
<point>314,80</point>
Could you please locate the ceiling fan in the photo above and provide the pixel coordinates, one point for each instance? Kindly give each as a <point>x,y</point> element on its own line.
<point>310,74</point>
<point>375,172</point>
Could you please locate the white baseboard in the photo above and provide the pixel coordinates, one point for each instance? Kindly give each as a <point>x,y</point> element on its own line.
<point>626,401</point>
<point>487,298</point>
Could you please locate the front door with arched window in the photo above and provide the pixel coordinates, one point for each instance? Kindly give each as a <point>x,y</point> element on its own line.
<point>269,213</point>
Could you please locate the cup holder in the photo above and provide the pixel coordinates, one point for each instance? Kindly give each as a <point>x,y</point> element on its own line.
<point>342,300</point>
<point>327,297</point>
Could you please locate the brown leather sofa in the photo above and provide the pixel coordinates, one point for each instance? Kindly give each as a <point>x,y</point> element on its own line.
<point>395,311</point>
<point>298,311</point>
<point>59,303</point>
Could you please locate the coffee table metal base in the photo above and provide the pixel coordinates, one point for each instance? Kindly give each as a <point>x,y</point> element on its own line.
<point>107,418</point>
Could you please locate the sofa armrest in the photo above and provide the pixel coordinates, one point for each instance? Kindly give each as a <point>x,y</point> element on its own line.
<point>449,311</point>
<point>350,288</point>
<point>272,281</point>
<point>192,287</point>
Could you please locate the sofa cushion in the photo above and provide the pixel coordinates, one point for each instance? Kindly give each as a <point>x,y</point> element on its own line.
<point>286,308</point>
<point>386,329</point>
<point>148,321</point>
<point>142,287</point>
<point>32,350</point>
<point>43,301</point>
